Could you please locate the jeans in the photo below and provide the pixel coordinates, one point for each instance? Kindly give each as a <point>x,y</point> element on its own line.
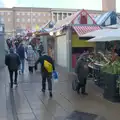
<point>11,76</point>
<point>47,77</point>
<point>22,65</point>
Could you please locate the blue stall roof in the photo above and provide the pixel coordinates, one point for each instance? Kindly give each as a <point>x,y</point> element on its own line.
<point>101,19</point>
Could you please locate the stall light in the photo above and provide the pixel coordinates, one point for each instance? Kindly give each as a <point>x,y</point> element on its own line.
<point>58,33</point>
<point>51,33</point>
<point>33,35</point>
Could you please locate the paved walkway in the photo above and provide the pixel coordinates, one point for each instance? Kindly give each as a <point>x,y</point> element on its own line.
<point>28,103</point>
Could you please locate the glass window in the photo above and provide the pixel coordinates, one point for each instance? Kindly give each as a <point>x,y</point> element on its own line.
<point>23,20</point>
<point>28,14</point>
<point>2,13</point>
<point>34,20</point>
<point>18,13</point>
<point>33,14</point>
<point>23,13</point>
<point>18,20</point>
<point>8,13</point>
<point>2,19</point>
<point>28,20</point>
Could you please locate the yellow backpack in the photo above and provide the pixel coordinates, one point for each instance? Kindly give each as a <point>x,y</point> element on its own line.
<point>48,66</point>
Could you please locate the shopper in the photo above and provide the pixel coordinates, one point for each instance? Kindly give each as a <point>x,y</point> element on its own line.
<point>47,66</point>
<point>31,58</point>
<point>21,53</point>
<point>12,60</point>
<point>81,69</point>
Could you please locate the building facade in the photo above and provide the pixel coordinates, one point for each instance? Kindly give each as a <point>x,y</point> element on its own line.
<point>109,5</point>
<point>28,18</point>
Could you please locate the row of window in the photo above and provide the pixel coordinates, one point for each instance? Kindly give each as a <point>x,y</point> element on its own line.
<point>34,14</point>
<point>29,20</point>
<point>3,13</point>
<point>24,20</point>
<point>23,13</point>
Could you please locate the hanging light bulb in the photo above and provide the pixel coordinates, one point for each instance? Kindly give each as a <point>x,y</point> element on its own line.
<point>51,33</point>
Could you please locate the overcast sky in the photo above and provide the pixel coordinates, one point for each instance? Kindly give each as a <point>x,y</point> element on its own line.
<point>79,4</point>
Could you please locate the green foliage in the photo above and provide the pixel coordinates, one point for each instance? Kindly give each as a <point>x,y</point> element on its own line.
<point>112,68</point>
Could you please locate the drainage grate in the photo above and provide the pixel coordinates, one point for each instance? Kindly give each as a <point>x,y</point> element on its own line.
<point>81,116</point>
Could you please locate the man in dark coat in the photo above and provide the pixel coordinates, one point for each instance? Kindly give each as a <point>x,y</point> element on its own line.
<point>12,61</point>
<point>82,70</point>
<point>45,74</point>
<point>21,53</point>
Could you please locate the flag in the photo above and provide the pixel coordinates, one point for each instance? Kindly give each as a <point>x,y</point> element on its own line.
<point>37,28</point>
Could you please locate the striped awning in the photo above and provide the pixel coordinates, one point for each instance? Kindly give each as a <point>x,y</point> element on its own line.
<point>81,30</point>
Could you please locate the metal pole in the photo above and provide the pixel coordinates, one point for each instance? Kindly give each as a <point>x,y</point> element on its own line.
<point>31,18</point>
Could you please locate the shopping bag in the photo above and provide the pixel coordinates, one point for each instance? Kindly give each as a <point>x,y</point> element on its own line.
<point>55,76</point>
<point>48,66</point>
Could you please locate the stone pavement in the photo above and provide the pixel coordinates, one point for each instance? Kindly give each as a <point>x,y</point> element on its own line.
<point>26,102</point>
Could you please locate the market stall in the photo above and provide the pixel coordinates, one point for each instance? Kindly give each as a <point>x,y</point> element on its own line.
<point>66,33</point>
<point>110,70</point>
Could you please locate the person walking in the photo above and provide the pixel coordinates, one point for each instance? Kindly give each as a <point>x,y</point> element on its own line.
<point>31,58</point>
<point>47,67</point>
<point>12,61</point>
<point>40,49</point>
<point>21,53</point>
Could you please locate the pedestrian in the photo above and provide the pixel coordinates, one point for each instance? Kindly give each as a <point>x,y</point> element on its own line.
<point>47,67</point>
<point>40,49</point>
<point>21,53</point>
<point>31,58</point>
<point>81,70</point>
<point>12,61</point>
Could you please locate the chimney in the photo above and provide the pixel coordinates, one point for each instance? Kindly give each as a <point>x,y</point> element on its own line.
<point>109,5</point>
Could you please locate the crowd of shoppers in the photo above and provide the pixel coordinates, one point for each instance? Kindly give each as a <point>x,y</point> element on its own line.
<point>15,61</point>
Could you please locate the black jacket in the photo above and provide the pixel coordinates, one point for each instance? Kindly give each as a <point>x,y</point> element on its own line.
<point>12,60</point>
<point>41,60</point>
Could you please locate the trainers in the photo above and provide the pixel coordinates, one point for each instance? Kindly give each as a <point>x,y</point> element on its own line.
<point>50,94</point>
<point>43,90</point>
<point>84,93</point>
<point>15,83</point>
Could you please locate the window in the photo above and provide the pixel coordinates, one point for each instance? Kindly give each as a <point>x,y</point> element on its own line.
<point>9,19</point>
<point>2,13</point>
<point>59,16</point>
<point>18,13</point>
<point>44,14</point>
<point>23,20</point>
<point>8,13</point>
<point>2,20</point>
<point>28,14</point>
<point>18,20</point>
<point>33,14</point>
<point>34,20</point>
<point>69,14</point>
<point>28,20</point>
<point>23,13</point>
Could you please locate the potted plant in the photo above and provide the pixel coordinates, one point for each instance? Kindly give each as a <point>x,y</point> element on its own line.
<point>111,72</point>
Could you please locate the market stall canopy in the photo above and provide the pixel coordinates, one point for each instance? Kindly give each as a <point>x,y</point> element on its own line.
<point>116,26</point>
<point>105,39</point>
<point>83,29</point>
<point>108,18</point>
<point>97,33</point>
<point>80,17</point>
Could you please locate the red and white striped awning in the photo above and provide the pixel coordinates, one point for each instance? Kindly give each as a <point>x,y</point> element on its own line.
<point>81,30</point>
